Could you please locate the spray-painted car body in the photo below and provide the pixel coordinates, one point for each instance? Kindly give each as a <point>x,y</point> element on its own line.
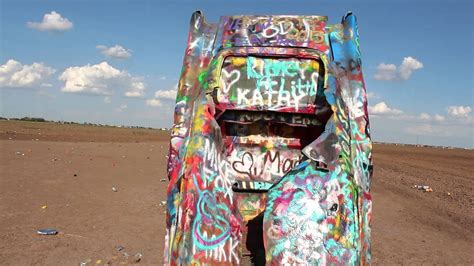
<point>270,129</point>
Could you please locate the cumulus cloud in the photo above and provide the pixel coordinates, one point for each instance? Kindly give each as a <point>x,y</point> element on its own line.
<point>166,94</point>
<point>459,111</point>
<point>407,67</point>
<point>438,128</point>
<point>51,22</point>
<point>382,108</point>
<point>136,88</point>
<point>386,72</point>
<point>439,118</point>
<point>153,102</point>
<point>163,95</point>
<point>101,79</point>
<point>390,72</point>
<point>116,51</point>
<point>13,74</point>
<point>425,116</point>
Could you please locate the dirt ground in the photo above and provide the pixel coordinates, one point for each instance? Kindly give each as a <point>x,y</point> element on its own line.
<point>64,177</point>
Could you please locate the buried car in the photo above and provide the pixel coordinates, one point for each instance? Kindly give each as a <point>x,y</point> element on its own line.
<point>270,153</point>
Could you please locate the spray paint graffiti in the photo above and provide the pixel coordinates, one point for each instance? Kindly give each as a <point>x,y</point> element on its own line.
<point>268,83</point>
<point>271,138</point>
<point>268,166</point>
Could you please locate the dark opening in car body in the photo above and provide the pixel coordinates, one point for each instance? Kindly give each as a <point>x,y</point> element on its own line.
<point>270,151</point>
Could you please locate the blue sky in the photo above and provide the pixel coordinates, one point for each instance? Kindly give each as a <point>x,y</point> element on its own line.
<point>417,59</point>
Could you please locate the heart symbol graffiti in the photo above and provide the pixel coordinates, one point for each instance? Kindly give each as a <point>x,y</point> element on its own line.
<point>244,166</point>
<point>229,79</point>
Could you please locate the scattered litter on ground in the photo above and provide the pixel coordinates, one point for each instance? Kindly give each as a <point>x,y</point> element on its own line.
<point>451,195</point>
<point>130,259</point>
<point>137,257</point>
<point>44,207</point>
<point>98,261</point>
<point>163,203</point>
<point>48,231</point>
<point>163,180</point>
<point>19,153</point>
<point>85,262</point>
<point>75,174</point>
<point>54,159</point>
<point>424,188</point>
<point>114,189</point>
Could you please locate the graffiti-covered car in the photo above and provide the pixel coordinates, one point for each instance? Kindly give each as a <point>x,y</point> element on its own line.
<point>270,152</point>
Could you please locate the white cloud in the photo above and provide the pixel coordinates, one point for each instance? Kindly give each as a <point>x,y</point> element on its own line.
<point>382,109</point>
<point>137,88</point>
<point>437,130</point>
<point>107,99</point>
<point>429,128</point>
<point>425,116</point>
<point>386,72</point>
<point>16,75</point>
<point>101,79</point>
<point>165,95</point>
<point>372,95</point>
<point>439,118</point>
<point>407,67</point>
<point>459,111</point>
<point>52,22</point>
<point>153,102</point>
<point>116,51</point>
<point>420,118</point>
<point>391,72</point>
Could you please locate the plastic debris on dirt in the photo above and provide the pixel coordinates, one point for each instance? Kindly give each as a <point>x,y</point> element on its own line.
<point>424,188</point>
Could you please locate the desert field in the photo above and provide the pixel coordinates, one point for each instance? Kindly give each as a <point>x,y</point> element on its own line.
<point>102,188</point>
